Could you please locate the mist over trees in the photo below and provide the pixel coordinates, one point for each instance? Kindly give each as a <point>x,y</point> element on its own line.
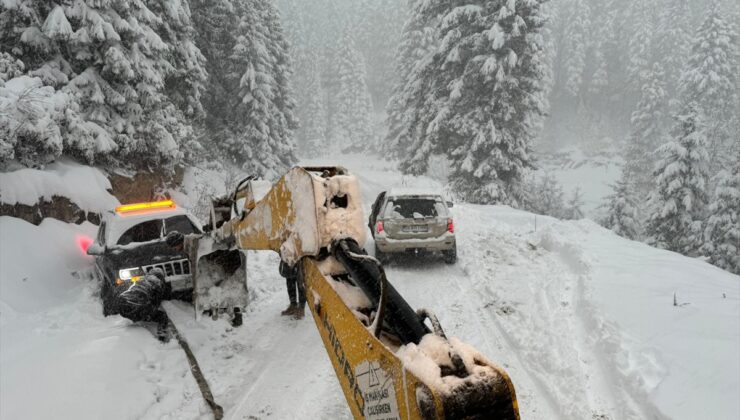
<point>485,86</point>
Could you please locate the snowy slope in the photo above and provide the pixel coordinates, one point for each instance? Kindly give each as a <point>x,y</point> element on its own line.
<point>59,357</point>
<point>582,319</point>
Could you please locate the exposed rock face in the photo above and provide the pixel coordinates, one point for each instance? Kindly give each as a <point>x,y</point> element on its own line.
<point>142,186</point>
<point>145,186</point>
<point>59,208</point>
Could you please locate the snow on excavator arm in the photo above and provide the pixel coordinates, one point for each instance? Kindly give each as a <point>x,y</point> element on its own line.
<point>390,364</point>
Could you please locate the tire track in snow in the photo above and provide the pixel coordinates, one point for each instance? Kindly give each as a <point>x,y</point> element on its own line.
<point>464,308</point>
<point>534,299</point>
<point>271,366</point>
<point>625,402</point>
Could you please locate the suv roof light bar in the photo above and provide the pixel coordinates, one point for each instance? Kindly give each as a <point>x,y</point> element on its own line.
<point>142,207</point>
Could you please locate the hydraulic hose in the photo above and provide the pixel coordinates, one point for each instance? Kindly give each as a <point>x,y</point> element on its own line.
<point>366,273</point>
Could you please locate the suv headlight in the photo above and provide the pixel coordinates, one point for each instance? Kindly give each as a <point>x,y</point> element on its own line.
<point>130,274</point>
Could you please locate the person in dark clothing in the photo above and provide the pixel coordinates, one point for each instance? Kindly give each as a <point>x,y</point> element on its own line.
<point>296,291</point>
<point>140,302</point>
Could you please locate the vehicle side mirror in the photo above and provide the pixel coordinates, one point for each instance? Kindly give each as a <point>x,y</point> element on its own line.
<point>450,204</point>
<point>95,249</point>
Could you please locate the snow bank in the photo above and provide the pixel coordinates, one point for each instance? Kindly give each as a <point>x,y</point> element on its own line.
<point>85,186</point>
<point>588,317</point>
<point>59,357</point>
<point>36,262</point>
<point>685,358</point>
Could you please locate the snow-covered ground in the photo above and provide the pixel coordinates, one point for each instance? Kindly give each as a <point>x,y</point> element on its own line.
<point>583,320</point>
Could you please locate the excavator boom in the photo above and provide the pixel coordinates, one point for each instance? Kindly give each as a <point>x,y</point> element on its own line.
<point>389,362</point>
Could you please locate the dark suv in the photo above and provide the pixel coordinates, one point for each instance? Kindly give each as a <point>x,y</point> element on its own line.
<point>412,221</point>
<point>131,242</point>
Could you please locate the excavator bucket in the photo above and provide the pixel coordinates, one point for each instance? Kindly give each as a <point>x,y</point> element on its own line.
<point>218,267</point>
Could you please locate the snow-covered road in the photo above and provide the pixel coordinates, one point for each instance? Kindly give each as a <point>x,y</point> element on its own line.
<point>583,321</point>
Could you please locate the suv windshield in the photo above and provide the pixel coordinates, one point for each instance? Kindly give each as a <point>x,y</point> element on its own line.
<point>180,224</point>
<point>143,232</point>
<point>410,208</point>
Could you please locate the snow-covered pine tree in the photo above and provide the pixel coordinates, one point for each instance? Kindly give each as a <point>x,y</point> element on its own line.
<point>418,40</point>
<point>109,60</point>
<point>641,42</point>
<point>673,40</point>
<point>185,81</point>
<point>263,116</point>
<point>722,231</point>
<point>621,211</point>
<point>486,95</point>
<point>378,32</point>
<point>31,119</point>
<point>647,133</point>
<point>574,205</point>
<point>711,80</point>
<point>544,195</point>
<point>577,37</point>
<point>10,67</point>
<point>302,49</point>
<point>600,78</point>
<point>314,120</point>
<point>679,199</point>
<point>214,22</point>
<point>352,127</point>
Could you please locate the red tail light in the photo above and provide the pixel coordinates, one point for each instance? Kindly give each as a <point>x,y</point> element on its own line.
<point>450,226</point>
<point>84,242</point>
<point>379,227</point>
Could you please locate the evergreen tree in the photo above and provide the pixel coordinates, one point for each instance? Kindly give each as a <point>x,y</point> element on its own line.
<point>484,98</point>
<point>31,119</point>
<point>214,24</point>
<point>710,79</point>
<point>576,45</point>
<point>352,127</point>
<point>722,231</point>
<point>679,200</point>
<point>378,33</point>
<point>647,133</point>
<point>641,42</point>
<point>301,43</point>
<point>264,144</point>
<point>544,195</point>
<point>249,104</point>
<point>314,122</point>
<point>621,211</point>
<point>573,207</point>
<point>110,61</point>
<point>673,40</point>
<point>417,44</point>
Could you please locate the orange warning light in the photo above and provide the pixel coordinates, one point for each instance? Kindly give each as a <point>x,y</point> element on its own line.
<point>139,207</point>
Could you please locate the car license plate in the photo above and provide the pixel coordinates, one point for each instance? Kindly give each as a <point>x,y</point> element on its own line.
<point>416,228</point>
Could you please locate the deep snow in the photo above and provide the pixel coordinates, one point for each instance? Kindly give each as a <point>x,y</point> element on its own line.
<point>583,321</point>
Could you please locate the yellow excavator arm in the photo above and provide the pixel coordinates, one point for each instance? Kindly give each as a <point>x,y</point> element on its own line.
<point>390,363</point>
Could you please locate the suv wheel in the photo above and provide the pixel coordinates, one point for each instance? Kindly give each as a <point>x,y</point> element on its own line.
<point>450,256</point>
